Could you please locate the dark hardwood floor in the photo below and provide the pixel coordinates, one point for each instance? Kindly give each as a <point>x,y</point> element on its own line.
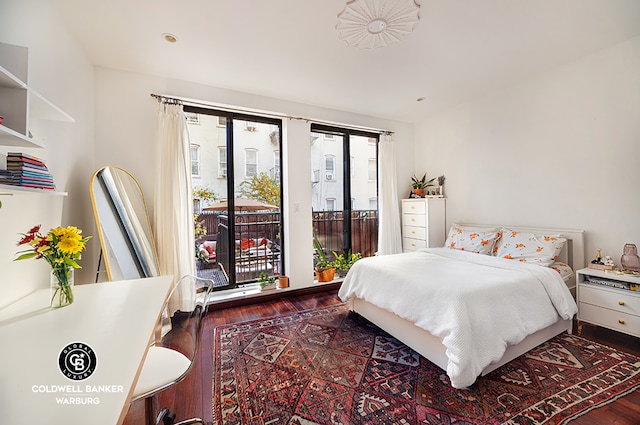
<point>192,397</point>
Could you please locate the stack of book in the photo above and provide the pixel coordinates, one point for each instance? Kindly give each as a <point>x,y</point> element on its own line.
<point>29,171</point>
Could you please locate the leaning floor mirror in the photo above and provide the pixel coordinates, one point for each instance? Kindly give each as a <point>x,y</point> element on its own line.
<point>126,238</point>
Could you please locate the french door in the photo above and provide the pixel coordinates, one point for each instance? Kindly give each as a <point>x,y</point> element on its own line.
<point>237,195</point>
<point>344,190</point>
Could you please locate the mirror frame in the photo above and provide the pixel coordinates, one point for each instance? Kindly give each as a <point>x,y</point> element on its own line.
<point>126,237</point>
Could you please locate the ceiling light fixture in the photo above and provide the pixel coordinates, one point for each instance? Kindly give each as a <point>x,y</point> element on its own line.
<point>369,24</point>
<point>170,37</point>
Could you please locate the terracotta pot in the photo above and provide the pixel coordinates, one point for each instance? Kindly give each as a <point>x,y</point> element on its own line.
<point>419,192</point>
<point>326,275</point>
<point>283,282</point>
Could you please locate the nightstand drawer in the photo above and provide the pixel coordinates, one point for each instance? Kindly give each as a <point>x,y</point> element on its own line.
<point>409,244</point>
<point>414,232</point>
<point>616,300</point>
<point>622,322</point>
<point>414,220</point>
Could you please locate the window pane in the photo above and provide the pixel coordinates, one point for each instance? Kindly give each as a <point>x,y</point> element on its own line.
<point>364,192</point>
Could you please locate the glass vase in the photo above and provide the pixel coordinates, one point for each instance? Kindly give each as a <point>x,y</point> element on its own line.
<point>61,286</point>
<point>630,259</point>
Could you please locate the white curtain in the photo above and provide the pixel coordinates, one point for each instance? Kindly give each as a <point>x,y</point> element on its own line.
<point>173,212</point>
<point>389,236</point>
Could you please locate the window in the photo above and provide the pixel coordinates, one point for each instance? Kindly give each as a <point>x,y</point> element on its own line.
<point>344,189</point>
<point>329,167</point>
<point>276,165</point>
<point>195,161</point>
<point>373,170</point>
<point>226,154</point>
<point>250,163</point>
<point>222,162</point>
<point>192,118</point>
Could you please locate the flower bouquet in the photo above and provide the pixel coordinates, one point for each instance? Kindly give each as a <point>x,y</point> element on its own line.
<point>61,247</point>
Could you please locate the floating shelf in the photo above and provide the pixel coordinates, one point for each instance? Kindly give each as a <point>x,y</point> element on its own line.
<point>20,103</point>
<point>7,189</point>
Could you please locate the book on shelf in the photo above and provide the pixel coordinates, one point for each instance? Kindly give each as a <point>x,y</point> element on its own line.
<point>28,171</point>
<point>29,167</point>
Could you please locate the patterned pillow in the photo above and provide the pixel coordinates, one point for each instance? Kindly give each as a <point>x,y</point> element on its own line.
<point>478,240</point>
<point>565,270</point>
<point>530,248</point>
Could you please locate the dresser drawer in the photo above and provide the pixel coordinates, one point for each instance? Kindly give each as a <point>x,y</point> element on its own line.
<point>414,232</point>
<point>622,322</point>
<point>612,299</point>
<point>414,220</point>
<point>409,244</point>
<point>416,207</point>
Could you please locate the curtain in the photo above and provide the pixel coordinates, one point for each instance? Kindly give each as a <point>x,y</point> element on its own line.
<point>173,209</point>
<point>389,236</point>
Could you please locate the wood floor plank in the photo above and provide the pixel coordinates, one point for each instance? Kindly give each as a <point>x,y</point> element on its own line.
<point>193,396</point>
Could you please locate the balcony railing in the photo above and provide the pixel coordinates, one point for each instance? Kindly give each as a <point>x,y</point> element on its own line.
<point>252,226</point>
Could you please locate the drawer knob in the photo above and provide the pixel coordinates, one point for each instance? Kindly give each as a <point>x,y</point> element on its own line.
<point>620,302</point>
<point>621,321</point>
<point>413,233</point>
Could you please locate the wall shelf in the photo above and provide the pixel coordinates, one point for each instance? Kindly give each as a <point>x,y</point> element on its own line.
<point>7,189</point>
<point>20,103</point>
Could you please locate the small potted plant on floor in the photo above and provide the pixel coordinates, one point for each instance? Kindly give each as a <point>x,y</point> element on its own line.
<point>344,261</point>
<point>325,270</point>
<point>266,282</point>
<point>420,184</point>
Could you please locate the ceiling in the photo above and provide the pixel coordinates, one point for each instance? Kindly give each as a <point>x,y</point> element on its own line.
<point>289,49</point>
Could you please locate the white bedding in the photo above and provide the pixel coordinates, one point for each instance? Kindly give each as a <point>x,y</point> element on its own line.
<point>477,304</point>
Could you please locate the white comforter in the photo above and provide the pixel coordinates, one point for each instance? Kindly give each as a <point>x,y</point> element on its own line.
<point>477,304</point>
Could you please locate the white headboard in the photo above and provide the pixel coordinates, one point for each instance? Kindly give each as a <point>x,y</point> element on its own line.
<point>572,253</point>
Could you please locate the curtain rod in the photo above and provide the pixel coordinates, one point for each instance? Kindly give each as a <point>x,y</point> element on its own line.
<point>193,102</point>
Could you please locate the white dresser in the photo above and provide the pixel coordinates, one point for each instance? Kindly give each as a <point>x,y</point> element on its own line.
<point>608,306</point>
<point>423,223</point>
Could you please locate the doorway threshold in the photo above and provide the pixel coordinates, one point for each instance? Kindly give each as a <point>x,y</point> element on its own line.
<point>252,294</point>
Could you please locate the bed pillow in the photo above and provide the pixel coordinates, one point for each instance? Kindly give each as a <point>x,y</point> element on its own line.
<point>478,240</point>
<point>565,270</point>
<point>530,248</point>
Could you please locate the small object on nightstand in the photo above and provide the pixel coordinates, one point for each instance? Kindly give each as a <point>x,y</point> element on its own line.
<point>598,259</point>
<point>598,264</point>
<point>630,259</point>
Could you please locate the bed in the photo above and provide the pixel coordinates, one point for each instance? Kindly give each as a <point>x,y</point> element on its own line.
<point>471,311</point>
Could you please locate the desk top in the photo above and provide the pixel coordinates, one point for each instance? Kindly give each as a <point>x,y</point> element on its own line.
<point>114,320</point>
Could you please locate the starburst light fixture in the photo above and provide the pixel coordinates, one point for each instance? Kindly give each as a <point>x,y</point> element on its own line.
<point>369,24</point>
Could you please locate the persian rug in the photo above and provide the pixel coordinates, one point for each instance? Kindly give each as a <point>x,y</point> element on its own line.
<point>330,366</point>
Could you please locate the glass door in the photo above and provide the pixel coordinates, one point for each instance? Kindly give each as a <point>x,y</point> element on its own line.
<point>344,193</point>
<point>237,184</point>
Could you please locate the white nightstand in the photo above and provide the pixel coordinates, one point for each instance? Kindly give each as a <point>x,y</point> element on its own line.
<point>423,223</point>
<point>605,304</point>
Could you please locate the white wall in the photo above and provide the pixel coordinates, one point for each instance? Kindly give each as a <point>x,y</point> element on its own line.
<point>560,150</point>
<point>125,126</point>
<point>58,70</point>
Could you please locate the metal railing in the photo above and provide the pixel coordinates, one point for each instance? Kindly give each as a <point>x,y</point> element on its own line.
<point>251,228</point>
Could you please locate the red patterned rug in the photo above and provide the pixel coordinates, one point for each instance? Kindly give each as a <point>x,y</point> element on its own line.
<point>329,366</point>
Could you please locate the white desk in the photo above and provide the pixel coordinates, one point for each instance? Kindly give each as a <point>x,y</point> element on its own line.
<point>116,319</point>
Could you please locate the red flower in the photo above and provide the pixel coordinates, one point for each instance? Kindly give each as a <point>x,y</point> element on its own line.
<point>35,229</point>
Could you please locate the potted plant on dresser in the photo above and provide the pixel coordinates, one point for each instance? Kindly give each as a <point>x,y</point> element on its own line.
<point>419,185</point>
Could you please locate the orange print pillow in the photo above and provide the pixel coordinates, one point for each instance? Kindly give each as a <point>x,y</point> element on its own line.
<point>478,240</point>
<point>530,248</point>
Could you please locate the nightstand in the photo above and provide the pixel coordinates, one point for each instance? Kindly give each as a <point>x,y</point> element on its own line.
<point>602,300</point>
